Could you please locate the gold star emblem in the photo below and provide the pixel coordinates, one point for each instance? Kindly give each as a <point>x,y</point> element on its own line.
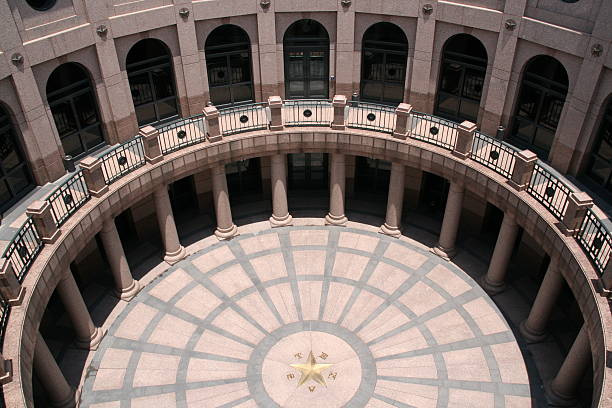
<point>311,370</point>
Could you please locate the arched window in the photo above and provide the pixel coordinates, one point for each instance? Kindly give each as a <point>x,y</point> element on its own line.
<point>462,73</point>
<point>383,64</point>
<point>149,69</point>
<point>540,102</point>
<point>306,49</point>
<point>600,167</point>
<point>75,109</point>
<point>15,177</point>
<point>228,62</point>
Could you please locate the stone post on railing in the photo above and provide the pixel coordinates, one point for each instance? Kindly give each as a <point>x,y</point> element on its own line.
<point>402,115</point>
<point>339,103</point>
<point>213,129</point>
<point>577,206</point>
<point>465,138</point>
<point>524,164</point>
<point>275,103</point>
<point>6,370</point>
<point>40,211</point>
<point>10,289</point>
<point>152,150</point>
<point>94,176</point>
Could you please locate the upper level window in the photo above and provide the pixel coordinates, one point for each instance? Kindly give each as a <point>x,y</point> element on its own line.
<point>600,166</point>
<point>41,5</point>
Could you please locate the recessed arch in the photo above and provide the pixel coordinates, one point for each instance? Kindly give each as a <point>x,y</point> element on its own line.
<point>152,83</point>
<point>75,109</point>
<point>599,168</point>
<point>306,57</point>
<point>228,64</point>
<point>462,75</point>
<point>541,97</point>
<point>384,54</point>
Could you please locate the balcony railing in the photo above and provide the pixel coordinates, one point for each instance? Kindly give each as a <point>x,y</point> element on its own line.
<point>543,184</point>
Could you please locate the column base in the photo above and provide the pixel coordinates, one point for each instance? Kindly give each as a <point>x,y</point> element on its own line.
<point>556,399</point>
<point>226,233</point>
<point>446,254</point>
<point>173,257</point>
<point>338,220</point>
<point>93,342</point>
<point>281,221</point>
<point>70,402</point>
<point>492,288</point>
<point>128,293</point>
<point>390,231</point>
<point>530,335</point>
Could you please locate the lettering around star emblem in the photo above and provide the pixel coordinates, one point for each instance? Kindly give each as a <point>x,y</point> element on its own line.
<point>311,371</point>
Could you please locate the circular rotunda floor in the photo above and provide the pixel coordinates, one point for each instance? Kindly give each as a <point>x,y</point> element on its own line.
<point>309,317</point>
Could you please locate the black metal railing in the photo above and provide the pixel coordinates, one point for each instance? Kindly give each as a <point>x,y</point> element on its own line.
<point>307,112</point>
<point>23,248</point>
<point>434,130</point>
<point>123,159</point>
<point>5,310</point>
<point>364,115</point>
<point>494,154</point>
<point>595,240</point>
<point>66,199</point>
<point>182,133</point>
<point>549,190</point>
<point>239,119</point>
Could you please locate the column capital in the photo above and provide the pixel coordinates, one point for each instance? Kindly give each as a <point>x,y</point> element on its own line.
<point>213,128</point>
<point>94,176</point>
<point>10,289</point>
<point>42,216</point>
<point>524,164</point>
<point>152,149</point>
<point>339,103</point>
<point>577,205</point>
<point>275,103</point>
<point>465,138</point>
<point>402,114</point>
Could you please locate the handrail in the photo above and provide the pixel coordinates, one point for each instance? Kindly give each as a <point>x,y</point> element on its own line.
<point>547,187</point>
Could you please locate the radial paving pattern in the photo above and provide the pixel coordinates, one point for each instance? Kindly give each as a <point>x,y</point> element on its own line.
<point>234,326</point>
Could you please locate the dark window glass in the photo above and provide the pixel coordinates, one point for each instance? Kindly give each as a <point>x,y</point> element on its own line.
<point>74,109</point>
<point>15,178</point>
<point>244,180</point>
<point>600,167</point>
<point>462,72</point>
<point>149,68</point>
<point>383,65</point>
<point>307,171</point>
<point>540,103</point>
<point>228,63</point>
<point>306,49</point>
<point>372,177</point>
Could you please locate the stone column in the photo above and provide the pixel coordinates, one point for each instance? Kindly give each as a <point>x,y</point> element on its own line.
<point>48,372</point>
<point>493,281</point>
<point>88,336</point>
<point>337,180</point>
<point>125,285</point>
<point>226,228</point>
<point>165,218</point>
<point>562,391</point>
<point>423,56</point>
<point>534,328</point>
<point>268,58</point>
<point>278,174</point>
<point>452,215</point>
<point>395,200</point>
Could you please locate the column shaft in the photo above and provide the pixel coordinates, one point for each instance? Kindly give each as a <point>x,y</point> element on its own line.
<point>88,336</point>
<point>395,201</point>
<point>534,328</point>
<point>225,225</point>
<point>337,181</point>
<point>48,372</point>
<point>493,281</point>
<point>125,285</point>
<point>165,218</point>
<point>450,224</point>
<point>278,175</point>
<point>564,386</point>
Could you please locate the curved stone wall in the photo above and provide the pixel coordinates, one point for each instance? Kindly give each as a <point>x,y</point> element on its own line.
<point>54,259</point>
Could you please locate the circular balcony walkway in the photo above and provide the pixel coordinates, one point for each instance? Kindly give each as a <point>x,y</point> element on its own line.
<point>234,324</point>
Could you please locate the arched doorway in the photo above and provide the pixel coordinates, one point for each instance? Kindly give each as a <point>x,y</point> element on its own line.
<point>228,63</point>
<point>600,165</point>
<point>383,64</point>
<point>75,109</point>
<point>15,177</point>
<point>540,102</point>
<point>149,69</point>
<point>462,74</point>
<point>306,51</point>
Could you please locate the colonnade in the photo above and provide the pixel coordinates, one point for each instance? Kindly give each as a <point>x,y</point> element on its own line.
<point>88,336</point>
